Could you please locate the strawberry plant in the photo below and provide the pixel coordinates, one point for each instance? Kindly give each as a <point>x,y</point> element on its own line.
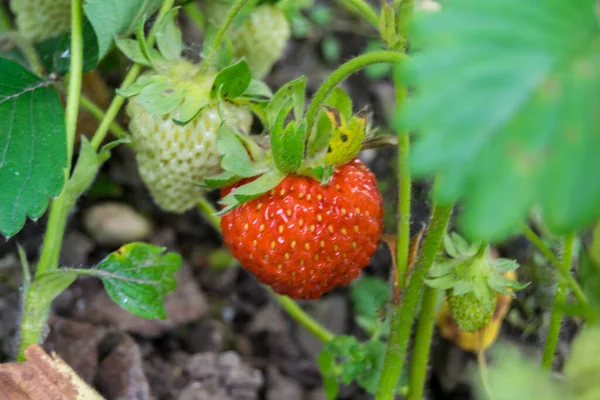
<point>496,105</point>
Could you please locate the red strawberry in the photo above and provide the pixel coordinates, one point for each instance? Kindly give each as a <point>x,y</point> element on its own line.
<point>302,238</point>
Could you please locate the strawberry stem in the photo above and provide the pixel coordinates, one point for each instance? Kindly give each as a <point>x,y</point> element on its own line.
<point>559,302</point>
<point>344,71</point>
<point>363,9</point>
<point>289,305</point>
<point>567,277</point>
<point>402,315</point>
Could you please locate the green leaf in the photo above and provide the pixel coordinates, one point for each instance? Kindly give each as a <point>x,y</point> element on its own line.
<point>232,81</point>
<point>287,143</point>
<point>341,101</point>
<point>251,190</point>
<point>589,273</point>
<point>136,87</point>
<point>506,110</point>
<point>258,90</point>
<point>294,90</point>
<point>138,276</point>
<point>160,98</point>
<point>331,388</point>
<point>225,178</point>
<point>369,296</point>
<point>323,174</point>
<point>131,49</point>
<point>33,150</point>
<point>331,49</point>
<point>55,53</point>
<point>387,24</point>
<point>168,36</point>
<point>374,357</point>
<point>236,159</point>
<point>110,18</point>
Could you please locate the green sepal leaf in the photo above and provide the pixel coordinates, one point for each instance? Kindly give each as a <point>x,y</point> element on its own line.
<point>323,173</point>
<point>55,53</point>
<point>442,282</point>
<point>232,81</point>
<point>251,190</point>
<point>258,91</point>
<point>462,287</point>
<point>505,265</point>
<point>110,18</point>
<point>225,178</point>
<point>193,103</point>
<point>168,36</point>
<point>160,98</point>
<point>341,101</point>
<point>33,142</point>
<point>294,90</point>
<point>138,276</point>
<point>521,128</point>
<point>236,159</point>
<point>131,49</point>
<point>287,143</point>
<point>136,87</point>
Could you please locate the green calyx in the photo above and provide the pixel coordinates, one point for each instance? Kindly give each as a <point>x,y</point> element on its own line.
<point>175,84</point>
<point>472,279</point>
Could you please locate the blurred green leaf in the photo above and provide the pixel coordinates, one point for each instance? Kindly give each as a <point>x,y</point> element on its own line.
<point>369,296</point>
<point>296,91</point>
<point>33,150</point>
<point>505,109</point>
<point>287,142</point>
<point>332,49</point>
<point>55,53</point>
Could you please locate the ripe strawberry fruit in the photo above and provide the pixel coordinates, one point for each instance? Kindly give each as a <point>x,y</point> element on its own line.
<point>260,39</point>
<point>303,238</point>
<point>38,20</point>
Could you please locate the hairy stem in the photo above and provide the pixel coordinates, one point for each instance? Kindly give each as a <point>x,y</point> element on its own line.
<point>402,315</point>
<point>214,45</point>
<point>35,314</point>
<point>559,302</point>
<point>564,274</point>
<point>285,302</point>
<point>363,9</point>
<point>344,71</point>
<point>404,194</point>
<point>420,355</point>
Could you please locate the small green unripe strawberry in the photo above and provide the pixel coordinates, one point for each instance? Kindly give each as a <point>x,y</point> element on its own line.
<point>38,20</point>
<point>261,38</point>
<point>472,278</point>
<point>172,159</point>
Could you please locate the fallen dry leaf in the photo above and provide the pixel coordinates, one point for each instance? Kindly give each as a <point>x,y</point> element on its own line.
<point>43,377</point>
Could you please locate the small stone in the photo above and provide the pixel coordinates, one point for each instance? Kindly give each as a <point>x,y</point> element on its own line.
<point>197,391</point>
<point>332,312</point>
<point>121,374</point>
<point>202,366</point>
<point>114,224</point>
<point>268,319</point>
<point>317,394</point>
<point>186,304</point>
<point>282,387</point>
<point>208,335</point>
<point>77,344</point>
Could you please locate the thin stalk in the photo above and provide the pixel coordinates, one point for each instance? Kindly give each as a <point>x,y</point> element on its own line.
<point>293,309</point>
<point>117,103</point>
<point>115,128</point>
<point>559,302</point>
<point>214,45</point>
<point>565,274</point>
<point>421,346</point>
<point>344,71</point>
<point>194,14</point>
<point>402,315</point>
<point>404,194</point>
<point>5,22</point>
<point>404,21</point>
<point>363,9</point>
<point>35,313</point>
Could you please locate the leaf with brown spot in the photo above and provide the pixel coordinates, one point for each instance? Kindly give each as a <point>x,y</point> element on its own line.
<point>43,376</point>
